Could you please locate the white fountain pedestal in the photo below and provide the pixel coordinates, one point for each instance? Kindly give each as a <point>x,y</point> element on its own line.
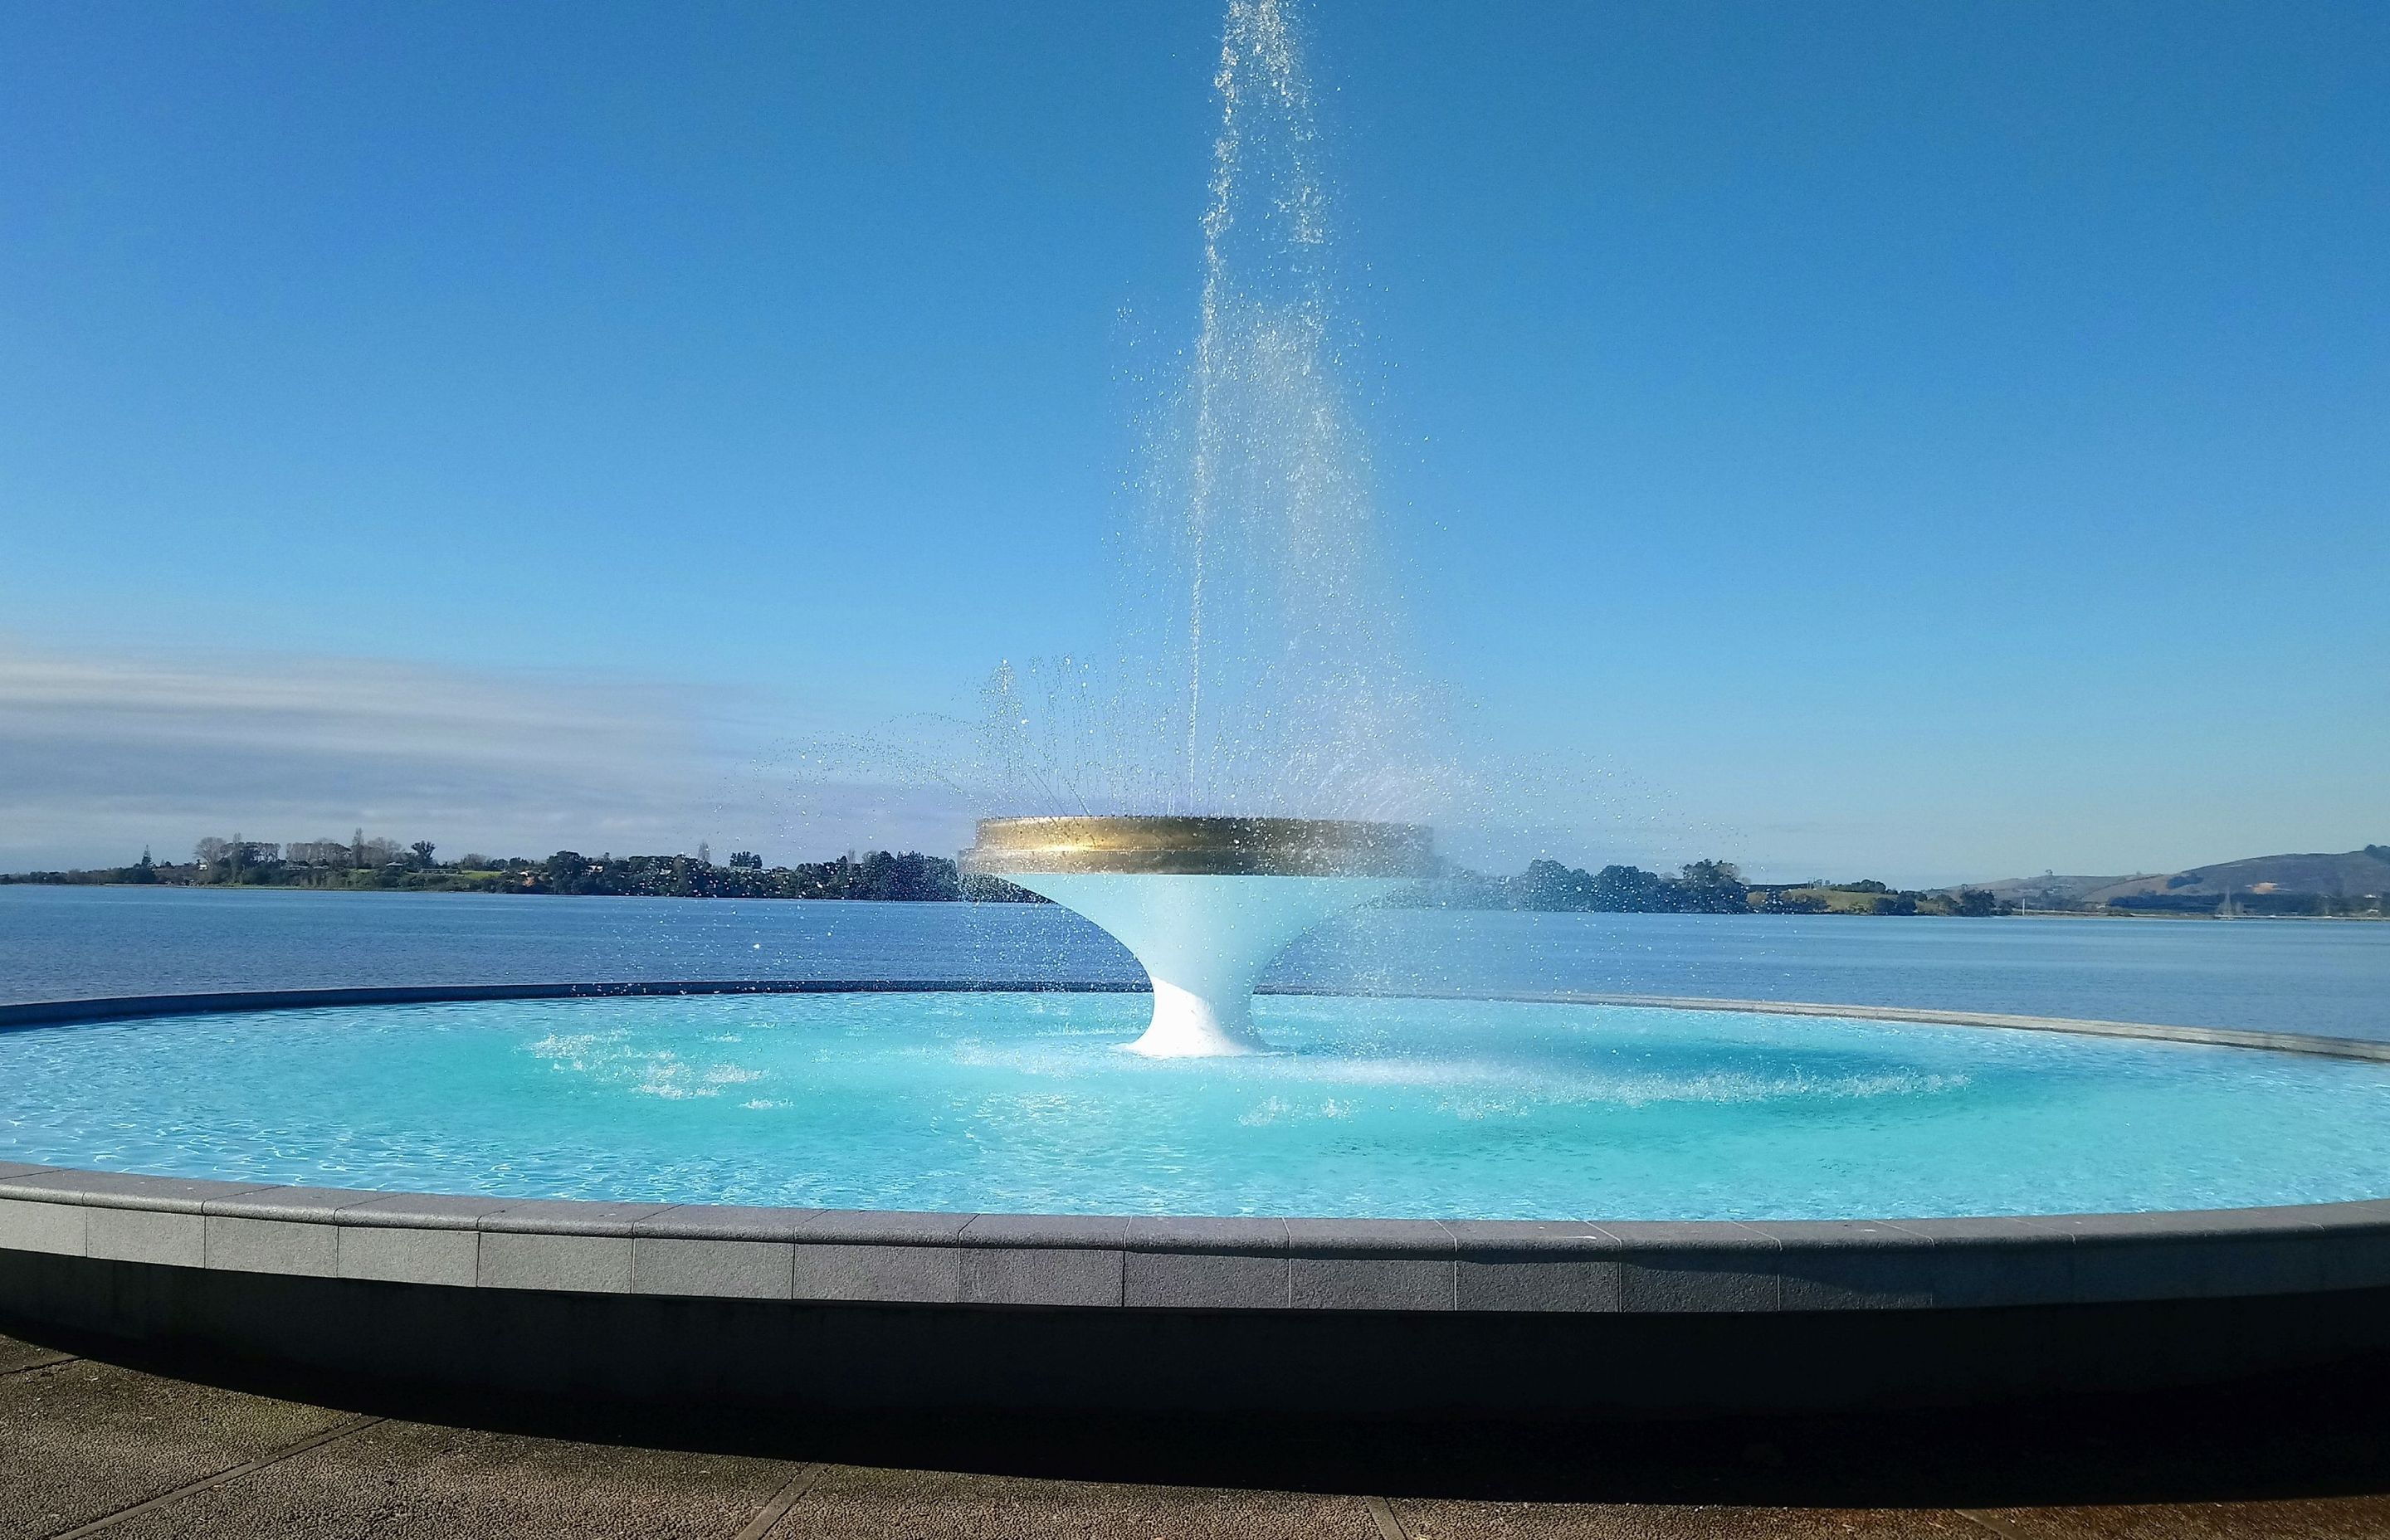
<point>1204,941</point>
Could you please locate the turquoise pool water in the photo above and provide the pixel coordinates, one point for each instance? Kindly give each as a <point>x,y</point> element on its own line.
<point>1022,1102</point>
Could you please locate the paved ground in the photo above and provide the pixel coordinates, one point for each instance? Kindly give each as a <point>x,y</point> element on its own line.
<point>88,1447</point>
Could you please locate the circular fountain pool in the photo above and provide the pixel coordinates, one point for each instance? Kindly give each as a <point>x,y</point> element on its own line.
<point>996,1102</point>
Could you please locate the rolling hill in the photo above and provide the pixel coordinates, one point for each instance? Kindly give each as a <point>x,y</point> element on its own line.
<point>2348,875</point>
<point>2351,874</point>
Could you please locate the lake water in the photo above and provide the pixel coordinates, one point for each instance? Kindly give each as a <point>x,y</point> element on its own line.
<point>2295,976</point>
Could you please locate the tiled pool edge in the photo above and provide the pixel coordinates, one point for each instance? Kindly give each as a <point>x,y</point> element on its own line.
<point>794,1307</point>
<point>1081,1262</point>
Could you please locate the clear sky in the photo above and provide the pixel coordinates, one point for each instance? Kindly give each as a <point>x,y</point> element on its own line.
<point>1927,442</point>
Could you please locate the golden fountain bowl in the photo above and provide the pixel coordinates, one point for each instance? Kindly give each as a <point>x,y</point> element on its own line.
<point>1202,847</point>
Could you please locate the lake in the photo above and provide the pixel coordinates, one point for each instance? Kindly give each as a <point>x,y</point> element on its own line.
<point>2278,975</point>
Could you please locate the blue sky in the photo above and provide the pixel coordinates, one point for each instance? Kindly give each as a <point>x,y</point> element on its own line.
<point>1925,442</point>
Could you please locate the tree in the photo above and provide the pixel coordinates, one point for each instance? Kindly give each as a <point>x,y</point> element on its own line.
<point>909,876</point>
<point>568,871</point>
<point>1714,887</point>
<point>1631,891</point>
<point>1548,885</point>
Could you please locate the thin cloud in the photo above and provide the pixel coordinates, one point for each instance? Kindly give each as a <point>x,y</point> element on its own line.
<point>102,753</point>
<point>387,708</point>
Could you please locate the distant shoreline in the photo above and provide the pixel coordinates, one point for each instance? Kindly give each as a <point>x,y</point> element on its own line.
<point>39,879</point>
<point>2296,887</point>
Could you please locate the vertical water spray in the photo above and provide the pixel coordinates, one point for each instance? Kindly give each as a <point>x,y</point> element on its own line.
<point>1259,342</point>
<point>1258,663</point>
<point>1294,735</point>
<point>1256,667</point>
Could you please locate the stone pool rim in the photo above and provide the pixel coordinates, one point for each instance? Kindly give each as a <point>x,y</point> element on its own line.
<point>816,1311</point>
<point>1181,1263</point>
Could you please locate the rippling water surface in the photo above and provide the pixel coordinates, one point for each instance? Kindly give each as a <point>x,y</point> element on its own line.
<point>957,1101</point>
<point>2295,976</point>
<point>1022,1102</point>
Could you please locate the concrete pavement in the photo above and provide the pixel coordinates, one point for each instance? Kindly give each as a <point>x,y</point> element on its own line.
<point>93,1448</point>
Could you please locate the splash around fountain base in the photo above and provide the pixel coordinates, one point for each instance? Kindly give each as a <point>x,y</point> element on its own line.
<point>1203,904</point>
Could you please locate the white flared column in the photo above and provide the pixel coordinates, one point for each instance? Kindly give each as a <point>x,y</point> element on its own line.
<point>1204,942</point>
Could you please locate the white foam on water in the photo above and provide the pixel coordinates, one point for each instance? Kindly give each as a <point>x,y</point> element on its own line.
<point>644,1068</point>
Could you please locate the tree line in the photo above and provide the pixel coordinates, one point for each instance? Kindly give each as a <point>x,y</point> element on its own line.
<point>1698,887</point>
<point>359,863</point>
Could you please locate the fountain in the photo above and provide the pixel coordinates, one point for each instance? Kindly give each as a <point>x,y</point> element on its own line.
<point>833,1192</point>
<point>1205,904</point>
<point>1238,792</point>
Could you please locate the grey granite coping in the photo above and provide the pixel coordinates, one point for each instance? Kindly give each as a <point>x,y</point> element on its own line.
<point>117,1189</point>
<point>1366,1237</point>
<point>1180,1263</point>
<point>571,1217</point>
<point>421,1211</point>
<point>1487,1237</point>
<point>295,1205</point>
<point>723,1222</point>
<point>1064,1232</point>
<point>883,1227</point>
<point>1637,1266</point>
<point>1217,1236</point>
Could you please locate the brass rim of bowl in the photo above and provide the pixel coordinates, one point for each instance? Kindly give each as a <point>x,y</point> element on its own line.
<point>1202,847</point>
